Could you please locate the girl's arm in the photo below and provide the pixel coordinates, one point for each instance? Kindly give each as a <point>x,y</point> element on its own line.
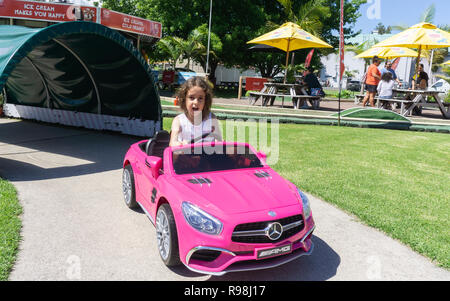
<point>175,131</point>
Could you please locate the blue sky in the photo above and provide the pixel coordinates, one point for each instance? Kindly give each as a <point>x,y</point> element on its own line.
<point>400,12</point>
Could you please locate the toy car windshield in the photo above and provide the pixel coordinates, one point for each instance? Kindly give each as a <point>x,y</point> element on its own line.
<point>196,159</point>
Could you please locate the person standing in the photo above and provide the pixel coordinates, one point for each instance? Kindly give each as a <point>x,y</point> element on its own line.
<point>373,77</point>
<point>388,68</point>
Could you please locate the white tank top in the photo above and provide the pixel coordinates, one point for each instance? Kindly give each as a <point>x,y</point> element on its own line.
<point>190,131</point>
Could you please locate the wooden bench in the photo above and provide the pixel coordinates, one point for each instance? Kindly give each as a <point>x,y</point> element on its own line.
<point>296,99</point>
<point>384,102</point>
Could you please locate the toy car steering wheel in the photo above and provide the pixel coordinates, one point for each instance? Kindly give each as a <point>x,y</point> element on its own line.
<point>212,134</point>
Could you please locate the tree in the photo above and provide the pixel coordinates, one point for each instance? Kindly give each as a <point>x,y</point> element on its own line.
<point>381,29</point>
<point>236,21</point>
<point>309,15</point>
<point>172,48</point>
<point>193,47</point>
<point>331,23</point>
<point>214,53</point>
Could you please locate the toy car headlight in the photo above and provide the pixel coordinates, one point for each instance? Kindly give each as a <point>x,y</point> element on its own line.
<point>305,203</point>
<point>200,220</point>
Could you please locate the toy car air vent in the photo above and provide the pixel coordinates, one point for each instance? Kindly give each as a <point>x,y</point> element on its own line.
<point>199,180</point>
<point>262,174</point>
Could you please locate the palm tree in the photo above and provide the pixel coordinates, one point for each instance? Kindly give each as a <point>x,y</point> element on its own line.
<point>192,47</point>
<point>308,16</point>
<point>172,48</point>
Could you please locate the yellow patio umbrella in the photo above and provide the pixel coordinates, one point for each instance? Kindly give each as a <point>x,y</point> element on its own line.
<point>388,52</point>
<point>424,36</point>
<point>289,37</point>
<point>447,63</point>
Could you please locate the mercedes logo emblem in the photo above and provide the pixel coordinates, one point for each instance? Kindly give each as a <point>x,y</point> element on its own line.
<point>274,231</point>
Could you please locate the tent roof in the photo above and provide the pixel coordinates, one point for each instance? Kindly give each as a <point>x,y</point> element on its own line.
<point>80,66</point>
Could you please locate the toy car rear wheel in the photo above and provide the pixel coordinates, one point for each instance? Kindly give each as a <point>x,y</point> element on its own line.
<point>128,187</point>
<point>166,235</point>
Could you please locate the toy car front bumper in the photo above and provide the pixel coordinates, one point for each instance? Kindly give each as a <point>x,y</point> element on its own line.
<point>229,261</point>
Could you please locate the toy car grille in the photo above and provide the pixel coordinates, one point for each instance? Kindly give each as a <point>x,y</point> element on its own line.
<point>255,232</point>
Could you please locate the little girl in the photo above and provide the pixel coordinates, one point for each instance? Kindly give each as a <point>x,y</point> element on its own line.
<point>385,86</point>
<point>195,99</point>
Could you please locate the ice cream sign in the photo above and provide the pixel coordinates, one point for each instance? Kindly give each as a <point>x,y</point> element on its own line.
<point>44,11</point>
<point>59,12</point>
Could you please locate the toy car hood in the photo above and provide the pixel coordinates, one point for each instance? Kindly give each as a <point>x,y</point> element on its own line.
<point>237,191</point>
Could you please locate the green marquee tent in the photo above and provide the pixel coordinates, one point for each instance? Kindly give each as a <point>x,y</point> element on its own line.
<point>77,67</point>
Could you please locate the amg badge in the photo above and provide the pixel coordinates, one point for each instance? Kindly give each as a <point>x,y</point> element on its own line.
<point>274,251</point>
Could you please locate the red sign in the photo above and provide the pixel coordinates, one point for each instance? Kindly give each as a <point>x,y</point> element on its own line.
<point>168,77</point>
<point>341,41</point>
<point>60,12</point>
<point>254,83</point>
<point>44,11</point>
<point>308,58</point>
<point>129,23</point>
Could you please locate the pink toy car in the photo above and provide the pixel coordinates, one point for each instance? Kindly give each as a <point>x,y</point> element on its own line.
<point>217,207</point>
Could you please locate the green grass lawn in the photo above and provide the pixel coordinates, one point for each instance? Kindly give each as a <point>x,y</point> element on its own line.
<point>395,181</point>
<point>10,225</point>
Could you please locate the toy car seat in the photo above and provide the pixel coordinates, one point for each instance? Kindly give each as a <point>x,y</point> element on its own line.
<point>157,145</point>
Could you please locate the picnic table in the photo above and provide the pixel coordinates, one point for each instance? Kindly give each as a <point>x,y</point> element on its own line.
<point>420,101</point>
<point>296,92</point>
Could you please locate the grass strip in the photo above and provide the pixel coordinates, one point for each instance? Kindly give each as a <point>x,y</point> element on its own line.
<point>10,225</point>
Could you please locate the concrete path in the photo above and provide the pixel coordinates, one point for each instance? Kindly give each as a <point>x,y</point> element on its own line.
<point>77,227</point>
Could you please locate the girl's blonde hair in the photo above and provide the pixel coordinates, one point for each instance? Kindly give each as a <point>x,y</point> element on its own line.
<point>196,81</point>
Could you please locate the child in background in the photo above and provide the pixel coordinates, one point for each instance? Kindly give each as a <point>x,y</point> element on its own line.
<point>385,86</point>
<point>195,99</point>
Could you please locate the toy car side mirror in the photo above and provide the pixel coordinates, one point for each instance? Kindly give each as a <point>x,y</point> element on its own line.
<point>155,164</point>
<point>262,155</point>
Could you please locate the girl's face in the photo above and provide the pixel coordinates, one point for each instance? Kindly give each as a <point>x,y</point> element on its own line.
<point>195,100</point>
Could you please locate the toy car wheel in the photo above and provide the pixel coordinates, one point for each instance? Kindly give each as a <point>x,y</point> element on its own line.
<point>166,235</point>
<point>128,187</point>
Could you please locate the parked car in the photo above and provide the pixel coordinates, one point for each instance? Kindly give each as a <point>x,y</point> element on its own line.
<point>441,85</point>
<point>354,85</point>
<point>217,206</point>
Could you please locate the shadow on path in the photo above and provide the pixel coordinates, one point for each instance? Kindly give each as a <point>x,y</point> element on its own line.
<point>87,151</point>
<point>321,265</point>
